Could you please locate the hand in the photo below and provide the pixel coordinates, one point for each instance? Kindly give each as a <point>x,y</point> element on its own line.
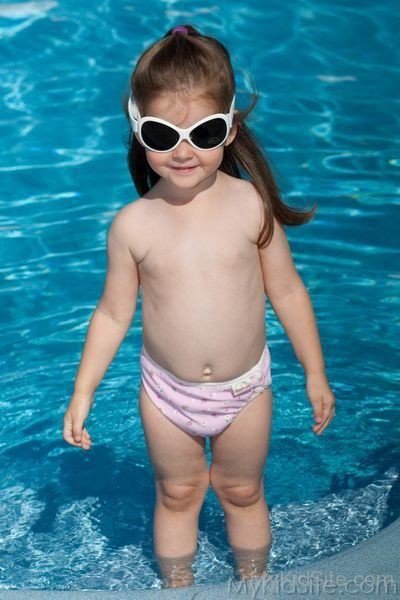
<point>74,431</point>
<point>322,400</point>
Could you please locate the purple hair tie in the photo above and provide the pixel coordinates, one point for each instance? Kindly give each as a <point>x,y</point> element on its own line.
<point>180,29</point>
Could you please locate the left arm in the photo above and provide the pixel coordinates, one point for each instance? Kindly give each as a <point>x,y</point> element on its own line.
<point>291,302</point>
<point>295,311</point>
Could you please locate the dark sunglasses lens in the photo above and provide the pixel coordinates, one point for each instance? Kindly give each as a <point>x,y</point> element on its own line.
<point>210,134</point>
<point>158,136</point>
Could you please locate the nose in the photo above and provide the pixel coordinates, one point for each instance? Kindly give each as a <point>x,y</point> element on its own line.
<point>183,150</point>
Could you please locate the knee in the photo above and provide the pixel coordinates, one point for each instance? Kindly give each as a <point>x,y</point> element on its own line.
<point>179,496</point>
<point>238,494</point>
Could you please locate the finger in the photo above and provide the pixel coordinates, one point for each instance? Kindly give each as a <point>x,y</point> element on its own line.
<point>77,431</point>
<point>67,432</point>
<point>86,440</point>
<point>70,440</point>
<point>323,410</point>
<point>319,414</point>
<point>325,424</point>
<point>320,422</point>
<point>69,437</point>
<point>326,413</point>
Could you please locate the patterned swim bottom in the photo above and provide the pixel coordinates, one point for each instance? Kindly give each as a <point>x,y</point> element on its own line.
<point>198,408</point>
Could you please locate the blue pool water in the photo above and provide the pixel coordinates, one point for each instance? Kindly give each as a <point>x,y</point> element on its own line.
<point>328,77</point>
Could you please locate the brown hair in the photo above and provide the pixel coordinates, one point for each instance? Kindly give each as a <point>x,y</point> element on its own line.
<point>178,63</point>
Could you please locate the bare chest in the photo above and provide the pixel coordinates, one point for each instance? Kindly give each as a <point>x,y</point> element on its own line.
<point>208,250</point>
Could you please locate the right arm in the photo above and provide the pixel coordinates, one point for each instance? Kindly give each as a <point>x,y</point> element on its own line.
<point>114,312</point>
<point>108,326</point>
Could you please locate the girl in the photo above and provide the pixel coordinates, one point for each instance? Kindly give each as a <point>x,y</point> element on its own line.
<point>205,246</point>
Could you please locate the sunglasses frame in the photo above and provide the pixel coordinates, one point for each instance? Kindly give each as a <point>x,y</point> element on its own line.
<point>184,134</point>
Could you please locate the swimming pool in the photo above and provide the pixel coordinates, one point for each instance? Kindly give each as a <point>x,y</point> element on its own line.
<point>328,77</point>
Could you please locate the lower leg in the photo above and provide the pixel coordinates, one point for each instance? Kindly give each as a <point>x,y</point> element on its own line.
<point>176,571</point>
<point>249,535</point>
<point>251,562</point>
<point>175,543</point>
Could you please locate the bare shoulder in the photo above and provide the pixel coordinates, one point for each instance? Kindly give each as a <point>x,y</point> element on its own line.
<point>127,226</point>
<point>251,205</point>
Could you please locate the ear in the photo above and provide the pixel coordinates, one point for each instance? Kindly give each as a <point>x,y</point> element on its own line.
<point>232,133</point>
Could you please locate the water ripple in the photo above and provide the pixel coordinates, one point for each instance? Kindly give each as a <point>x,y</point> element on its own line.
<point>327,116</point>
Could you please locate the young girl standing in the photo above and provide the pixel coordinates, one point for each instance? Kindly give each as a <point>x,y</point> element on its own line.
<point>206,247</point>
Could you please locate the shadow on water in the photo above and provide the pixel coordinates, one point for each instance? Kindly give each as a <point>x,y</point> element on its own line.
<point>123,489</point>
<point>378,462</point>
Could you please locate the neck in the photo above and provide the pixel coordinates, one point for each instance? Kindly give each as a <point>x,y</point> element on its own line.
<point>178,196</point>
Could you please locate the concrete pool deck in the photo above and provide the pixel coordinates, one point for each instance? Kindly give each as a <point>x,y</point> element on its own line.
<point>369,570</point>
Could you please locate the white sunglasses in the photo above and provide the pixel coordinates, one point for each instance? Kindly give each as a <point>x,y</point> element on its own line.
<point>161,136</point>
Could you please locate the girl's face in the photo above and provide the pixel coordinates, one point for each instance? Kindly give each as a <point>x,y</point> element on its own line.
<point>201,164</point>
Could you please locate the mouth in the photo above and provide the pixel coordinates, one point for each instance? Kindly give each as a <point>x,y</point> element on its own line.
<point>184,169</point>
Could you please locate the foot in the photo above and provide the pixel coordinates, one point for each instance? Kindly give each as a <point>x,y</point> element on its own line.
<point>176,572</point>
<point>251,562</point>
<point>249,574</point>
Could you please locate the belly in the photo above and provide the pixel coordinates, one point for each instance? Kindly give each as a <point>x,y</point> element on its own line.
<point>207,335</point>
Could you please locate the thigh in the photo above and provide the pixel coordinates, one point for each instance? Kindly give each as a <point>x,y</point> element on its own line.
<point>175,454</point>
<point>239,452</point>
